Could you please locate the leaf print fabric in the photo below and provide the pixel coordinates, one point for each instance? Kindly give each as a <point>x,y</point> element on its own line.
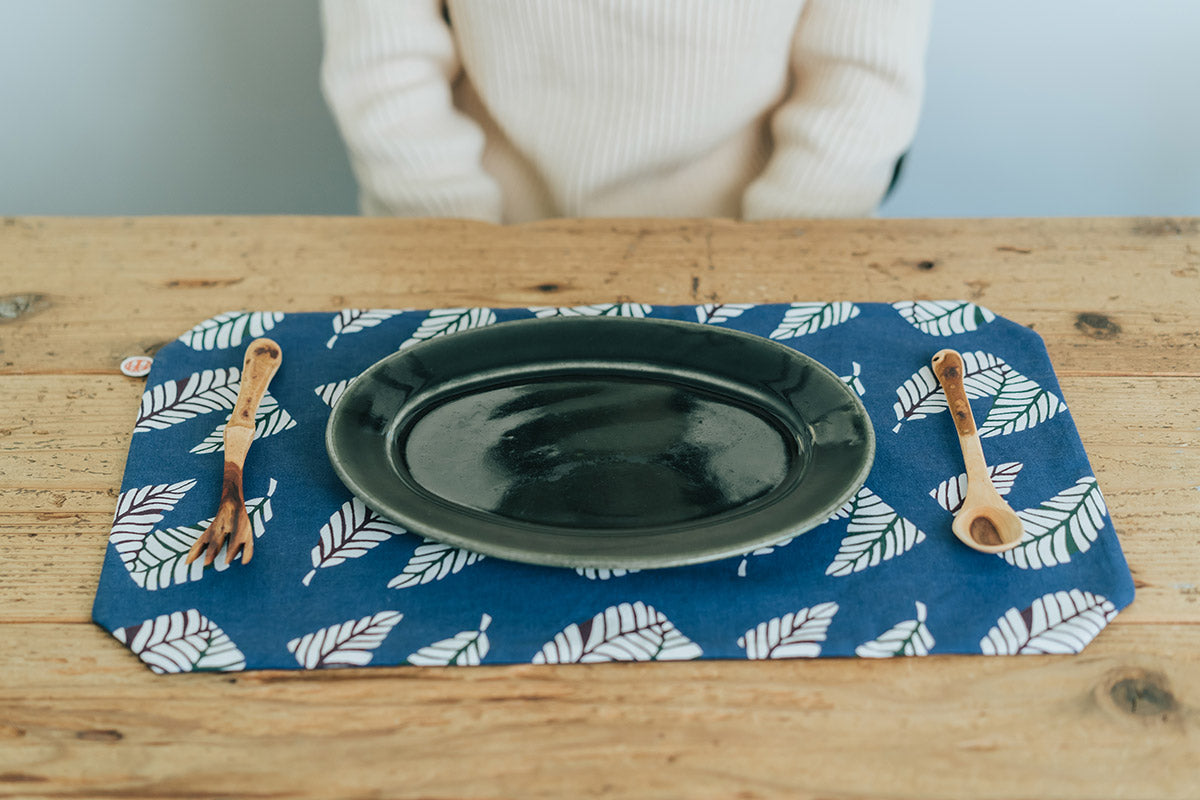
<point>806,318</point>
<point>464,649</point>
<point>158,558</point>
<point>797,634</point>
<point>876,533</point>
<point>330,579</point>
<point>1020,402</point>
<point>433,561</point>
<point>269,419</point>
<point>716,313</point>
<point>173,402</point>
<point>625,632</point>
<point>908,638</point>
<point>350,532</point>
<point>1059,622</point>
<point>444,321</point>
<point>944,317</point>
<point>331,392</point>
<point>1063,526</point>
<point>230,329</point>
<point>949,494</point>
<point>347,644</point>
<point>602,310</point>
<point>184,641</point>
<point>354,320</point>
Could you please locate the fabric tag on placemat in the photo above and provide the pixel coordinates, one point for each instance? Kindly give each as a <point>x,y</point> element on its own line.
<point>332,584</point>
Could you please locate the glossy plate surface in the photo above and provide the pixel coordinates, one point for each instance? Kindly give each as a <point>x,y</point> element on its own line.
<point>601,442</point>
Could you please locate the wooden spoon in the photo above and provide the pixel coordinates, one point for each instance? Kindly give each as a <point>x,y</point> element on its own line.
<point>263,357</point>
<point>984,521</point>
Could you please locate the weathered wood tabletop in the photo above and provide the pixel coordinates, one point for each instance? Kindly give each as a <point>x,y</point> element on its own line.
<point>1117,300</point>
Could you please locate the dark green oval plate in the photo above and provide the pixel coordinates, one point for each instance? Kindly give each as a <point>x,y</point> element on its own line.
<point>601,442</point>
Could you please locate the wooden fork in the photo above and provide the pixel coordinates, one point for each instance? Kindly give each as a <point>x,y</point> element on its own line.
<point>263,357</point>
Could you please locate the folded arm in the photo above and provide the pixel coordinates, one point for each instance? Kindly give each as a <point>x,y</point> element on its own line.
<point>387,72</point>
<point>857,84</point>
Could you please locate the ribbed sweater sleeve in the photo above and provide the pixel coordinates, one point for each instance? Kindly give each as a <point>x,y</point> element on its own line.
<point>386,74</point>
<point>857,84</point>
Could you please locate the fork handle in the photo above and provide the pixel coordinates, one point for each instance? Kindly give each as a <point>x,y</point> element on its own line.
<point>263,358</point>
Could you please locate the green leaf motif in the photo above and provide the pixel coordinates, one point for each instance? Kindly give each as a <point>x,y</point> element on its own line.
<point>1020,404</point>
<point>464,649</point>
<point>184,641</point>
<point>159,559</point>
<point>944,317</point>
<point>908,638</point>
<point>1063,526</point>
<point>876,533</point>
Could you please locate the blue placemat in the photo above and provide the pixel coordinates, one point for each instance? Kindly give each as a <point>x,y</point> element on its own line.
<point>332,584</point>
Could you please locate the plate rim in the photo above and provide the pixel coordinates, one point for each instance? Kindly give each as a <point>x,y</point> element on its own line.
<point>567,560</point>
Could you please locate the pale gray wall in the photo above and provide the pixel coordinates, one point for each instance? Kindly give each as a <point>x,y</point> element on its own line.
<point>166,106</point>
<point>1068,107</point>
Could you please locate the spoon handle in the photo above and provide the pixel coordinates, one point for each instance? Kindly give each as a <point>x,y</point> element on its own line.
<point>948,367</point>
<point>263,357</point>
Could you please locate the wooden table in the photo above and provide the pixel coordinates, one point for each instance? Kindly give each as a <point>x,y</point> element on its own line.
<point>1117,300</point>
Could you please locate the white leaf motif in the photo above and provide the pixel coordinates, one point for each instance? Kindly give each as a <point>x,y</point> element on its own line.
<point>229,329</point>
<point>330,393</point>
<point>944,317</point>
<point>950,492</point>
<point>269,419</point>
<point>908,638</point>
<point>600,310</point>
<point>876,533</point>
<point>465,648</point>
<point>624,632</point>
<point>1059,528</point>
<point>347,644</point>
<point>354,320</point>
<point>922,395</point>
<point>433,561</point>
<point>852,380</point>
<point>159,559</point>
<point>716,313</point>
<point>797,634</point>
<point>139,510</point>
<point>172,402</point>
<point>350,532</point>
<point>444,321</point>
<point>185,641</point>
<point>805,318</point>
<point>765,550</point>
<point>593,574</point>
<point>1020,404</point>
<point>1059,622</point>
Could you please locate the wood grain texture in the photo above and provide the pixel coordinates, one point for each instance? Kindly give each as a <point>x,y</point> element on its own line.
<point>1116,300</point>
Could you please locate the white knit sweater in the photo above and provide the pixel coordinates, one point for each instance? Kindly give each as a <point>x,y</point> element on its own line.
<point>524,109</point>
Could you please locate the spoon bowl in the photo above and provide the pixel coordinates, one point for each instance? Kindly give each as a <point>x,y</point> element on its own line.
<point>984,521</point>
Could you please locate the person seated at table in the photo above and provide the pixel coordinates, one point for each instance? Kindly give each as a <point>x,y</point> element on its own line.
<point>527,109</point>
